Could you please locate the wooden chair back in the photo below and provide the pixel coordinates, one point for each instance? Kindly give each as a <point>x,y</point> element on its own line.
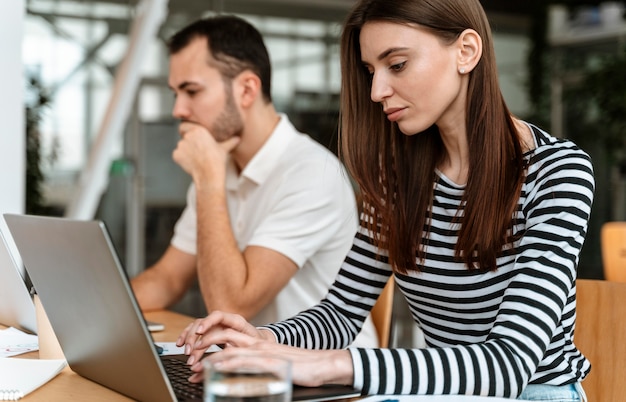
<point>382,314</point>
<point>600,333</point>
<point>613,242</point>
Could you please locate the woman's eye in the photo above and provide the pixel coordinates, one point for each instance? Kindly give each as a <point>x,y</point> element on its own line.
<point>398,66</point>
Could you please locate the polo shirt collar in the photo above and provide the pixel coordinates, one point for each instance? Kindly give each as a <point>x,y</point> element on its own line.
<point>265,160</point>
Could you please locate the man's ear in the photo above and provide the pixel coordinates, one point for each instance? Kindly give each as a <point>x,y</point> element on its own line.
<point>470,46</point>
<point>247,88</point>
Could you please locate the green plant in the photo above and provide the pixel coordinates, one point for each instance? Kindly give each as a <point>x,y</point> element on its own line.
<point>605,86</point>
<point>37,100</point>
<point>537,62</point>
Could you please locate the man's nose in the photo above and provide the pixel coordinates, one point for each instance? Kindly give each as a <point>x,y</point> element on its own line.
<point>180,110</point>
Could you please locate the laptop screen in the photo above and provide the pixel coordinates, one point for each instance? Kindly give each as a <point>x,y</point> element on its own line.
<point>90,305</point>
<point>17,309</point>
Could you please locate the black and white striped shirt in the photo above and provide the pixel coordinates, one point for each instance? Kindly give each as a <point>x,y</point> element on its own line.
<point>487,332</point>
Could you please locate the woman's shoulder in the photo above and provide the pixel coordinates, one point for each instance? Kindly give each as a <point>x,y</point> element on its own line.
<point>551,148</point>
<point>558,162</point>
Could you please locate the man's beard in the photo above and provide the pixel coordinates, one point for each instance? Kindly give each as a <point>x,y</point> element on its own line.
<point>229,123</point>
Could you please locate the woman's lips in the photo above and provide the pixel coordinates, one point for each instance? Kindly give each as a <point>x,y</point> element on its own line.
<point>394,113</point>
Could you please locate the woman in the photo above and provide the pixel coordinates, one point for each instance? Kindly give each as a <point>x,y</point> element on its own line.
<point>479,216</point>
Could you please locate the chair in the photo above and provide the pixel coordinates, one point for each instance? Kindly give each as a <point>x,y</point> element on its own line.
<point>613,242</point>
<point>382,312</point>
<point>599,334</point>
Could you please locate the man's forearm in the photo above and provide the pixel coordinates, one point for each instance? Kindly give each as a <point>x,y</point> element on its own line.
<point>150,292</point>
<point>222,270</point>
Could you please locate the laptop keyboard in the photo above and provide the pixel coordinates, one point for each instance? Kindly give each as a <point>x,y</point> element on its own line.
<point>178,373</point>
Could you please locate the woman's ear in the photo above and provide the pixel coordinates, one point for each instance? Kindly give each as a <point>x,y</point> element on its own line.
<point>247,88</point>
<point>470,46</point>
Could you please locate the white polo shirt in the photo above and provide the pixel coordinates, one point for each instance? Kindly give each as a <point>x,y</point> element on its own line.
<point>293,197</point>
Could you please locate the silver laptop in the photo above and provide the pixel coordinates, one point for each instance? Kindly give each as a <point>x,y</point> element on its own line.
<point>95,316</point>
<point>16,305</point>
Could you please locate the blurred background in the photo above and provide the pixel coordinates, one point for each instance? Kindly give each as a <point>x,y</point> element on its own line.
<point>96,69</point>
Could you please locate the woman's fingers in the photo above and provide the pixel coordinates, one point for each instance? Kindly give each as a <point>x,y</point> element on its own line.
<point>233,339</point>
<point>183,335</point>
<point>217,328</point>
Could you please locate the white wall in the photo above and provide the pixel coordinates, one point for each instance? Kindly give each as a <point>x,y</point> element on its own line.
<point>12,136</point>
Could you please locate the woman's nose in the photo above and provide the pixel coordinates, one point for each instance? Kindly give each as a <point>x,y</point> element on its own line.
<point>380,88</point>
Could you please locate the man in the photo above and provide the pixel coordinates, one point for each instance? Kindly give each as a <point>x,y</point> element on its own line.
<point>270,214</point>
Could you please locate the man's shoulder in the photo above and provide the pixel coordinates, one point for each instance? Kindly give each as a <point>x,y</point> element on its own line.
<point>300,154</point>
<point>304,147</point>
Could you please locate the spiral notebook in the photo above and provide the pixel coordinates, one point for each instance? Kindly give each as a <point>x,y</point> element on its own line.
<point>19,377</point>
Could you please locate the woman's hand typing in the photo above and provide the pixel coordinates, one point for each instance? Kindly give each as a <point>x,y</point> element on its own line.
<point>218,328</point>
<point>240,338</point>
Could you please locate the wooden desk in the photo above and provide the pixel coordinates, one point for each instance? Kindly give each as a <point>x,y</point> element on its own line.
<point>69,386</point>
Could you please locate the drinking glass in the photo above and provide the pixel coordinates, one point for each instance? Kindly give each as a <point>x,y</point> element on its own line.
<point>247,379</point>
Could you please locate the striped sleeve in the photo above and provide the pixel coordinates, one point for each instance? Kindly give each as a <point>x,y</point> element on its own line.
<point>335,322</point>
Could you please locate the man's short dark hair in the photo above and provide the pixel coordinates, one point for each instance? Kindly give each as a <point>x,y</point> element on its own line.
<point>234,44</point>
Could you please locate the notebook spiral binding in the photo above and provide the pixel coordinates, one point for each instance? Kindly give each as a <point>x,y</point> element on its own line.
<point>10,394</point>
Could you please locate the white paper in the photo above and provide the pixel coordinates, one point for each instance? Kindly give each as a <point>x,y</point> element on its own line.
<point>431,398</point>
<point>170,348</point>
<point>15,342</point>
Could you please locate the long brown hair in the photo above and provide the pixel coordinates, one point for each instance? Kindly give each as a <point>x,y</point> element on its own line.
<point>396,172</point>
